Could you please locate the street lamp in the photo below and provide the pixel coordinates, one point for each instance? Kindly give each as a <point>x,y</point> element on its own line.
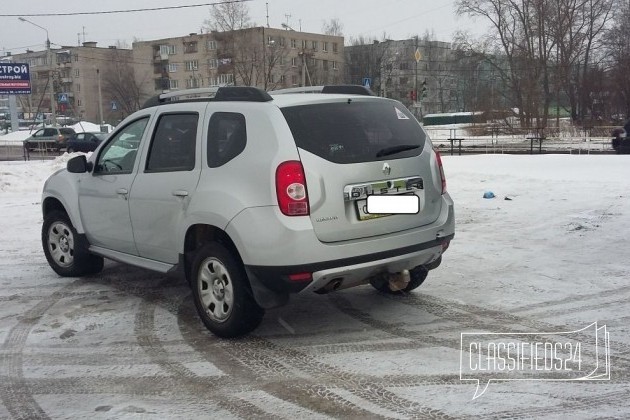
<point>50,79</point>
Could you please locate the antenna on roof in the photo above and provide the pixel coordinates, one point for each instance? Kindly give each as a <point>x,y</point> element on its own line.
<point>288,17</point>
<point>267,5</point>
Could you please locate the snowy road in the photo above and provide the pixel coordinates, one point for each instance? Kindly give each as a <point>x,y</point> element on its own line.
<point>127,343</point>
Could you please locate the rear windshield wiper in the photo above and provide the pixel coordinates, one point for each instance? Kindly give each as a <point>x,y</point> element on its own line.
<point>396,149</point>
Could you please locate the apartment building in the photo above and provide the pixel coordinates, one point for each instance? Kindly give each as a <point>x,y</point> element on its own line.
<point>396,71</point>
<point>268,58</point>
<point>76,74</point>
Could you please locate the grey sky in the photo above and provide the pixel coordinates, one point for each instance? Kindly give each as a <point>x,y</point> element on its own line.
<point>397,18</point>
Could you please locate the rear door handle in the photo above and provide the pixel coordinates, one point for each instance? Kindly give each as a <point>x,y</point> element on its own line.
<point>122,191</point>
<point>180,193</point>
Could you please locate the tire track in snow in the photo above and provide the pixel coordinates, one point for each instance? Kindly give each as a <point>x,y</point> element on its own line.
<point>16,396</point>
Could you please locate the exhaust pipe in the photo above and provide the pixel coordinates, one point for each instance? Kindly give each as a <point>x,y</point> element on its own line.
<point>332,285</point>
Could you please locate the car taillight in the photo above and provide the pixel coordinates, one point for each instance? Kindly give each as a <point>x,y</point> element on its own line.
<point>438,158</point>
<point>291,189</point>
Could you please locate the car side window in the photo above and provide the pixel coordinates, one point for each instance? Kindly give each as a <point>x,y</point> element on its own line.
<point>119,155</point>
<point>39,133</point>
<point>174,143</point>
<point>227,137</point>
<point>50,132</point>
<point>80,136</point>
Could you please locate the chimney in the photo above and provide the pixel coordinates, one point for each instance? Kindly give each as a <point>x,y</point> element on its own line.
<point>90,44</point>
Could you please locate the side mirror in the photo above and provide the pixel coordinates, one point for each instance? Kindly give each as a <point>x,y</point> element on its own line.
<point>79,165</point>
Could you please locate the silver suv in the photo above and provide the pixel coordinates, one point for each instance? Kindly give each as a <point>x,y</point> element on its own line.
<point>254,196</point>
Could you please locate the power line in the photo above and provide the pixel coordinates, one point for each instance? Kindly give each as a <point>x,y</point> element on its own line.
<point>109,12</point>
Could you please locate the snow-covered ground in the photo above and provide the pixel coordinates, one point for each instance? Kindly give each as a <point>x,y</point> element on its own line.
<point>550,253</point>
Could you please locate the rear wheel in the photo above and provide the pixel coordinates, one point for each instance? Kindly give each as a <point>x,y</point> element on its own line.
<point>222,294</point>
<point>417,277</point>
<point>65,251</point>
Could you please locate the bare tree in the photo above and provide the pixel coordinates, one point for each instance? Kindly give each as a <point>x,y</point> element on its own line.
<point>333,27</point>
<point>121,84</point>
<point>228,17</point>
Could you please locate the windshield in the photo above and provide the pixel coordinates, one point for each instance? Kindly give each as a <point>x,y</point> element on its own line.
<point>356,131</point>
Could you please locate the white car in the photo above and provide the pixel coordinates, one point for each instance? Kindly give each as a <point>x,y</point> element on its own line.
<point>253,197</point>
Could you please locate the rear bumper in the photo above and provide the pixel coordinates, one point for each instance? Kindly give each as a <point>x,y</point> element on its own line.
<point>346,272</point>
<point>273,246</point>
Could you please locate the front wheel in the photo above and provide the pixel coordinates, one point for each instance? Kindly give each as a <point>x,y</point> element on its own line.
<point>222,294</point>
<point>64,250</point>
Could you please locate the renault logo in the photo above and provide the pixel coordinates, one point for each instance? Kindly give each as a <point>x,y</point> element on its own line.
<point>386,168</point>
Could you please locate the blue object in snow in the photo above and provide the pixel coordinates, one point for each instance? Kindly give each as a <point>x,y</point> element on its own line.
<point>488,194</point>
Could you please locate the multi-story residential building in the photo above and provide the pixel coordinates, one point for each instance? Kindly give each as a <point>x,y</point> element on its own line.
<point>76,75</point>
<point>396,71</point>
<point>264,57</point>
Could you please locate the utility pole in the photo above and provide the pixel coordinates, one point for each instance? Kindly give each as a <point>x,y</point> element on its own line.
<point>100,98</point>
<point>50,71</point>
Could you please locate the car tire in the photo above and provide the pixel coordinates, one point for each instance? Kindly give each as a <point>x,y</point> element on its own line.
<point>417,276</point>
<point>66,251</point>
<point>222,293</point>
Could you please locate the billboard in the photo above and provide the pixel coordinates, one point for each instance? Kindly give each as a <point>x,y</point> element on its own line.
<point>15,79</point>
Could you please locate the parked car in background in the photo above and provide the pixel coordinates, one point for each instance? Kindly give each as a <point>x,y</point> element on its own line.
<point>84,142</point>
<point>49,138</point>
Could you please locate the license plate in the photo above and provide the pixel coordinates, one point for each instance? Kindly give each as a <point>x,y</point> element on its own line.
<point>363,214</point>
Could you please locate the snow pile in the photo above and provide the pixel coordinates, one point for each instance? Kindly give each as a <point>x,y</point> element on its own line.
<point>88,127</point>
<point>15,136</point>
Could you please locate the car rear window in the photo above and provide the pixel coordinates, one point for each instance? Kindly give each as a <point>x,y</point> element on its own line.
<point>355,131</point>
<point>66,131</point>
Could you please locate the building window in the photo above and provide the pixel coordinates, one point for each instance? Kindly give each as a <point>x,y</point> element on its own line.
<point>294,80</point>
<point>225,79</point>
<point>76,72</point>
<point>335,47</point>
<point>325,46</point>
<point>293,43</point>
<point>212,45</point>
<point>404,65</point>
<point>190,47</point>
<point>167,49</point>
<point>192,83</point>
<point>191,65</point>
<point>294,61</point>
<point>173,84</point>
<point>282,78</point>
<point>77,87</point>
<point>334,65</point>
<point>403,80</point>
<point>282,41</point>
<point>303,43</point>
<point>76,58</point>
<point>325,65</point>
<point>79,102</point>
<point>213,63</point>
<point>270,40</point>
<point>314,45</point>
<point>172,67</point>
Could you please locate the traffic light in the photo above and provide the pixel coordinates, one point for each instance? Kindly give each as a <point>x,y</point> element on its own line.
<point>424,88</point>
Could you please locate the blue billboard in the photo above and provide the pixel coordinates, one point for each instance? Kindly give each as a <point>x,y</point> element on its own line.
<point>15,79</point>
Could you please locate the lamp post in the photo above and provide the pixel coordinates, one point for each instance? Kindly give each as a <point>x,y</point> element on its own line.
<point>50,78</point>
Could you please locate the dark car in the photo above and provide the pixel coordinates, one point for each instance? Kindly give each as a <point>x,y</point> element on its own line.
<point>84,142</point>
<point>49,138</point>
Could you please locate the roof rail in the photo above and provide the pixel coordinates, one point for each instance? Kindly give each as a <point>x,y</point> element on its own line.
<point>339,89</point>
<point>223,93</point>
